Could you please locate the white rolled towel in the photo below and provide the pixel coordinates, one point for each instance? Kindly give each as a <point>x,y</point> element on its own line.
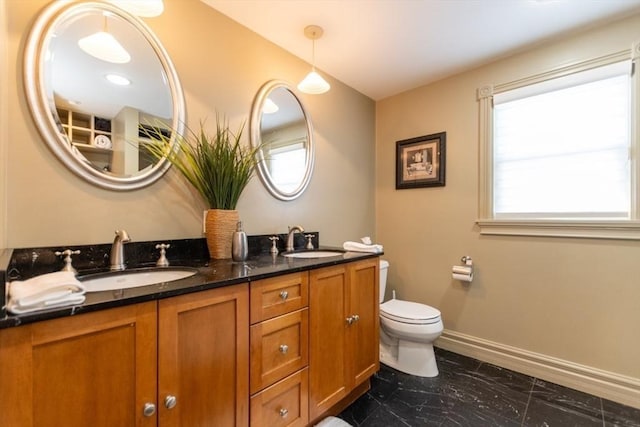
<point>362,247</point>
<point>43,292</point>
<point>333,422</point>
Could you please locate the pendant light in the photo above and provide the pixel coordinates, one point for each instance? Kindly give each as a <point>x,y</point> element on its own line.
<point>313,84</point>
<point>103,45</point>
<point>270,107</point>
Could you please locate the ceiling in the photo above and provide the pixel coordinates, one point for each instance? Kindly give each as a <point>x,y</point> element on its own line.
<point>77,81</point>
<point>384,47</point>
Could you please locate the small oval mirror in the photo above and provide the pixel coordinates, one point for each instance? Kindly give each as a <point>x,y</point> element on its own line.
<point>281,127</point>
<point>90,121</point>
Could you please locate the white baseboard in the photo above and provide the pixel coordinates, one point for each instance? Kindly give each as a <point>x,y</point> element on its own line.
<point>619,388</point>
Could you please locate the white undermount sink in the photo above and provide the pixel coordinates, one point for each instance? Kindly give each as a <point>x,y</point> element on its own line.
<point>312,254</point>
<point>134,278</point>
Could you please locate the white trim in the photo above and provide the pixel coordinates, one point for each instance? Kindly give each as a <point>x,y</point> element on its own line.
<point>635,130</point>
<point>488,224</point>
<point>625,230</point>
<point>4,118</point>
<point>615,69</point>
<point>485,184</point>
<point>606,384</point>
<point>565,70</point>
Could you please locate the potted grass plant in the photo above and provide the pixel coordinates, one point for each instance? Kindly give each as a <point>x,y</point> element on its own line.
<point>218,166</point>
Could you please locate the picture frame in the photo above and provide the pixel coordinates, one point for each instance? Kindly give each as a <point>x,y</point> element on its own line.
<point>421,161</point>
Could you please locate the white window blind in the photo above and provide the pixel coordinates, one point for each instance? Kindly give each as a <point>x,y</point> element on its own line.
<point>287,165</point>
<point>561,148</point>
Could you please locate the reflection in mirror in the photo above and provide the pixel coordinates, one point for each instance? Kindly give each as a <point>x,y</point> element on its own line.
<point>92,102</point>
<point>282,128</point>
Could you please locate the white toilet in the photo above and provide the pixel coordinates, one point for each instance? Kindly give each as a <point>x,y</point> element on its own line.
<point>407,332</point>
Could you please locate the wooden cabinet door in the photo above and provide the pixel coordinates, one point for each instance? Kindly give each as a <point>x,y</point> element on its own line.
<point>363,336</point>
<point>328,380</point>
<point>96,369</point>
<point>203,360</point>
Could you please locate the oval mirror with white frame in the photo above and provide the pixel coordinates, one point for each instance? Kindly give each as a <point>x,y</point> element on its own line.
<point>98,83</point>
<point>281,127</point>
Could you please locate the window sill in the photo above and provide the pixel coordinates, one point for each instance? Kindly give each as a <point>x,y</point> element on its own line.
<point>626,230</point>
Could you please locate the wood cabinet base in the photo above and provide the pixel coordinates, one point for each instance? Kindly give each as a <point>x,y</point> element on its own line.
<point>344,403</point>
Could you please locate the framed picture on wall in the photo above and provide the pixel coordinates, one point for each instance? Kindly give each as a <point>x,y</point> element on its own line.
<point>420,161</point>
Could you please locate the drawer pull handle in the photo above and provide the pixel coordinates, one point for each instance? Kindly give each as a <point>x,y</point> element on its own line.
<point>284,295</point>
<point>149,409</point>
<point>284,412</point>
<point>284,348</point>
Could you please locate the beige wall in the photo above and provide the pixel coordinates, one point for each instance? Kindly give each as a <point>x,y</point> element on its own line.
<point>571,299</point>
<point>4,140</point>
<point>221,65</point>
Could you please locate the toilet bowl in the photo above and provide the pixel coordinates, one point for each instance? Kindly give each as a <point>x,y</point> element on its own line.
<point>407,332</point>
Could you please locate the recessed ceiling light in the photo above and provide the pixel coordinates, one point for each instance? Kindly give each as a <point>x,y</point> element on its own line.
<point>118,80</point>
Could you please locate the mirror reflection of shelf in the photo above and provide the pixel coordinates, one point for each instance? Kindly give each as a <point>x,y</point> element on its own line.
<point>92,148</point>
<point>81,128</point>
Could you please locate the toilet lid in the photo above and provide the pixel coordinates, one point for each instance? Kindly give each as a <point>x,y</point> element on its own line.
<point>409,312</point>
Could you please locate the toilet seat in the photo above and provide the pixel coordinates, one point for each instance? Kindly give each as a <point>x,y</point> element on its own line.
<point>409,312</point>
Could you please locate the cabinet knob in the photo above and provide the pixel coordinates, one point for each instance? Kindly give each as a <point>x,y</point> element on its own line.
<point>170,401</point>
<point>149,409</point>
<point>352,319</point>
<point>283,412</point>
<point>284,348</point>
<point>284,295</point>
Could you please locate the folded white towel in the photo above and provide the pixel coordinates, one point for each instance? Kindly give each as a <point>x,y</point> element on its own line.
<point>361,247</point>
<point>71,299</point>
<point>51,290</point>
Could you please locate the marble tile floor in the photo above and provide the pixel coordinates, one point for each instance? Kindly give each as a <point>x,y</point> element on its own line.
<point>472,393</point>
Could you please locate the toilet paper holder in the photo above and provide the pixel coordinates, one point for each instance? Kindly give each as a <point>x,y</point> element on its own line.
<point>463,272</point>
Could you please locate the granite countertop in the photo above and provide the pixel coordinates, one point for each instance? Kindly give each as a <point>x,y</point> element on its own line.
<point>211,274</point>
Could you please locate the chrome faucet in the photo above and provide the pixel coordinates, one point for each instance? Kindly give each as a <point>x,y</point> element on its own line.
<point>292,231</point>
<point>117,250</point>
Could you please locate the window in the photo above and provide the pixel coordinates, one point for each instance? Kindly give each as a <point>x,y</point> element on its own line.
<point>558,153</point>
<point>287,165</point>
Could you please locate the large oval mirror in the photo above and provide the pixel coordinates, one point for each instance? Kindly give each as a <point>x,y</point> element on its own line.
<point>281,127</point>
<point>93,100</point>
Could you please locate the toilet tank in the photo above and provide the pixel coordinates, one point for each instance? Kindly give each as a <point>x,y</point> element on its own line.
<point>384,266</point>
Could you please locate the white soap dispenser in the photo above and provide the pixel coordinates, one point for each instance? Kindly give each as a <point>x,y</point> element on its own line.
<point>239,246</point>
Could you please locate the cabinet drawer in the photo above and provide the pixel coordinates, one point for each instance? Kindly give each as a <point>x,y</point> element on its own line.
<point>279,347</point>
<point>283,404</point>
<point>278,295</point>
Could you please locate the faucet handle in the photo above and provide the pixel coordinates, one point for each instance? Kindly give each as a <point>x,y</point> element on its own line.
<point>309,237</point>
<point>67,259</point>
<point>274,243</point>
<point>163,261</point>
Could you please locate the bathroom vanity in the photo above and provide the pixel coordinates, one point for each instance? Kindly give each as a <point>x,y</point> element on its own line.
<point>273,342</point>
